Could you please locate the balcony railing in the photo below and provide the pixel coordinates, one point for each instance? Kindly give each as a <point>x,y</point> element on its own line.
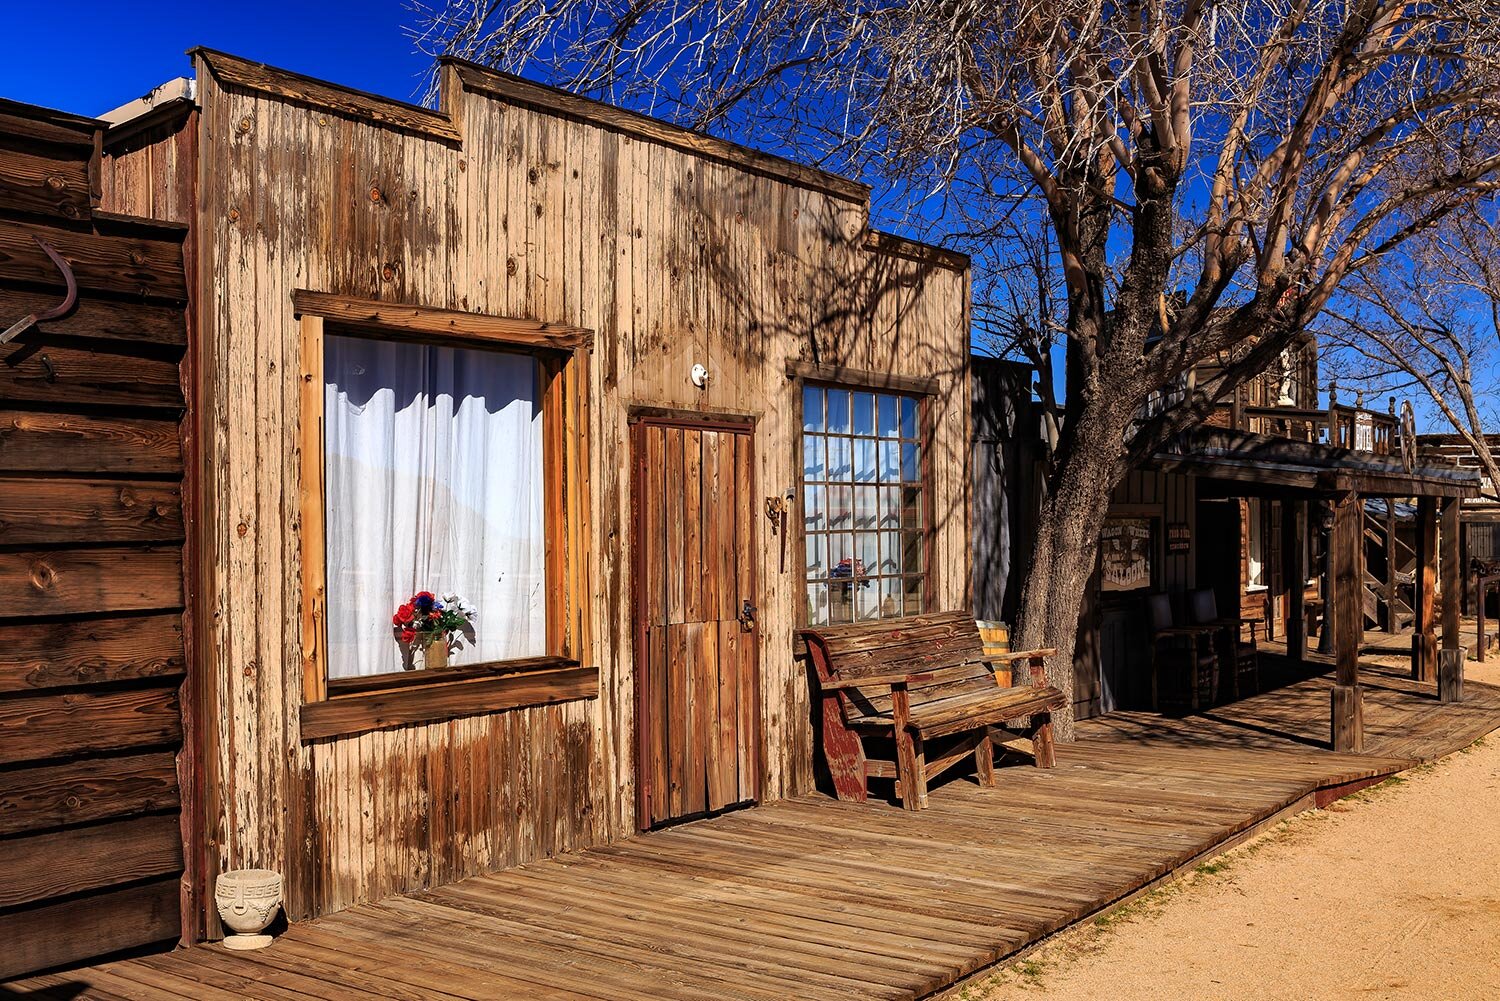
<point>1339,426</point>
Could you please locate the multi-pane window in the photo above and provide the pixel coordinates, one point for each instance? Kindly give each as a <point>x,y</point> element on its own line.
<point>863,504</point>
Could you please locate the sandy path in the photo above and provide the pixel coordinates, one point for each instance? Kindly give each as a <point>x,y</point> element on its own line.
<point>1393,893</point>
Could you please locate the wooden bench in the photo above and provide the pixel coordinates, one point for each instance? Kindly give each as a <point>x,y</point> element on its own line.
<point>924,683</point>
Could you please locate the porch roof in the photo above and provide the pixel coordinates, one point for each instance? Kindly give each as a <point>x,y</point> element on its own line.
<point>1264,464</point>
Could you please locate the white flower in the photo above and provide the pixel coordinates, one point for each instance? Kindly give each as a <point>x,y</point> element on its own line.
<point>460,606</point>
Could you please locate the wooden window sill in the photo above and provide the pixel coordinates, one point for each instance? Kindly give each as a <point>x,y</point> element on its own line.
<point>359,705</point>
<point>341,688</point>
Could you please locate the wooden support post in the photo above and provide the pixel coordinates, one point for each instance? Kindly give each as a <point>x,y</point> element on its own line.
<point>1325,635</point>
<point>1424,584</point>
<point>1347,543</point>
<point>1482,584</point>
<point>1392,620</point>
<point>1451,675</point>
<point>1294,549</point>
<point>1451,660</point>
<point>1452,571</point>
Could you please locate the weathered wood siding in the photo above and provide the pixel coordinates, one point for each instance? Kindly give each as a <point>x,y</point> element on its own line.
<point>150,172</point>
<point>673,259</point>
<point>1112,670</point>
<point>1006,448</point>
<point>92,531</point>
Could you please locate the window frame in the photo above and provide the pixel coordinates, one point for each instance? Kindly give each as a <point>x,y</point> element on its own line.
<point>925,390</point>
<point>341,706</point>
<point>1255,546</point>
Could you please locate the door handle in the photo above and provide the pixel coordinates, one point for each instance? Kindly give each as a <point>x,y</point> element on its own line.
<point>747,615</point>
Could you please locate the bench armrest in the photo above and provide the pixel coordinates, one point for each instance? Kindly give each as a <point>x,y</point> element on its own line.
<point>1033,658</point>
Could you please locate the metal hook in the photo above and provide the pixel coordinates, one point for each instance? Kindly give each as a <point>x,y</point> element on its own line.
<point>30,319</point>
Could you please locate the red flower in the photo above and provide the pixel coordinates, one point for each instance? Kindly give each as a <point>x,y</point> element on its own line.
<point>434,615</point>
<point>407,635</point>
<point>403,615</point>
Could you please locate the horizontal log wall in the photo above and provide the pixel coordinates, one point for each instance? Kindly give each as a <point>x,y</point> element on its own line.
<point>672,258</point>
<point>92,531</point>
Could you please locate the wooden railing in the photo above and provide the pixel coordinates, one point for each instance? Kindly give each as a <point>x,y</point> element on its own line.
<point>1339,426</point>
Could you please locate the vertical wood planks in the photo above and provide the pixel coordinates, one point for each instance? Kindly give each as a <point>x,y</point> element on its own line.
<point>671,259</point>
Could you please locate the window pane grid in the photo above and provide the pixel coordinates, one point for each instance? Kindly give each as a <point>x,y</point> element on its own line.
<point>862,505</point>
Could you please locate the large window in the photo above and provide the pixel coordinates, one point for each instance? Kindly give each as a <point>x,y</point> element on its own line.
<point>863,504</point>
<point>433,483</point>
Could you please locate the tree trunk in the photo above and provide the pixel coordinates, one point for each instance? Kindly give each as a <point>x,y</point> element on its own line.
<point>1069,520</point>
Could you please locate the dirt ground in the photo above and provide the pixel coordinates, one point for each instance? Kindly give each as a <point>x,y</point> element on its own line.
<point>1391,893</point>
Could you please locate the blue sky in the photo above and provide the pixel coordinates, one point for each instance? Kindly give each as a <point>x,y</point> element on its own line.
<point>88,57</point>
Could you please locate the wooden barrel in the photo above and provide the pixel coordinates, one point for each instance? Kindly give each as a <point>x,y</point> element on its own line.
<point>996,638</point>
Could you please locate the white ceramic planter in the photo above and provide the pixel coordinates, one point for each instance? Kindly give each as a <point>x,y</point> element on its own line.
<point>248,900</point>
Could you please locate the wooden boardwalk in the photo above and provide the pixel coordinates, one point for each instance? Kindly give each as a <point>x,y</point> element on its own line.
<point>815,899</point>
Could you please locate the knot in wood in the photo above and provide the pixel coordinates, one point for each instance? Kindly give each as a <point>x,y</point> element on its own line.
<point>531,175</point>
<point>127,497</point>
<point>234,215</point>
<point>55,183</point>
<point>137,258</point>
<point>242,529</point>
<point>42,575</point>
<point>375,194</point>
<point>510,265</point>
<point>244,125</point>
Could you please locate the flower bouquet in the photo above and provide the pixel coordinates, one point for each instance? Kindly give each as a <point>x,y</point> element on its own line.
<point>430,625</point>
<point>850,570</point>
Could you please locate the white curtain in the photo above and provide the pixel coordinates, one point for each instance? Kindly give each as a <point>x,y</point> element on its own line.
<point>433,483</point>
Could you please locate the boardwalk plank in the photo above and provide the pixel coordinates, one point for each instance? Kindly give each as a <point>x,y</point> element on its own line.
<point>821,900</point>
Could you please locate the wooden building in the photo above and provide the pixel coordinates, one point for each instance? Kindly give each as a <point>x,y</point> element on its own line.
<point>652,398</point>
<point>96,632</point>
<point>1242,507</point>
<point>1479,517</point>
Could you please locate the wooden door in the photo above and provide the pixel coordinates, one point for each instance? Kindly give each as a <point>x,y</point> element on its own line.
<point>697,620</point>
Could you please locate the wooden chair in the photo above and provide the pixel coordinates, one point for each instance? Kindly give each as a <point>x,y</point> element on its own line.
<point>1187,652</point>
<point>924,684</point>
<point>1243,658</point>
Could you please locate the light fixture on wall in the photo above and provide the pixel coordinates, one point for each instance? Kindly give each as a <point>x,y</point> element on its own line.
<point>699,375</point>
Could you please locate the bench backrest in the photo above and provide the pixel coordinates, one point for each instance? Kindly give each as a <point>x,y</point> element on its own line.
<point>911,645</point>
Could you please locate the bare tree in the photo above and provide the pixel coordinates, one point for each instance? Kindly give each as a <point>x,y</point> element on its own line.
<point>1208,171</point>
<point>1428,319</point>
